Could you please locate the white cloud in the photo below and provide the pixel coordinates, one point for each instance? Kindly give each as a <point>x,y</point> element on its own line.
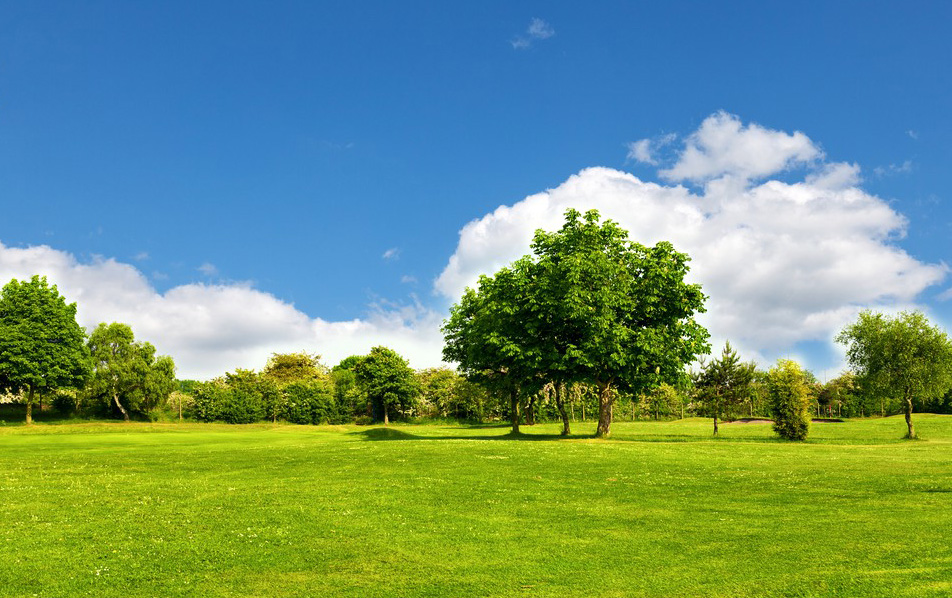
<point>913,134</point>
<point>211,329</point>
<point>644,150</point>
<point>724,146</point>
<point>141,256</point>
<point>782,262</point>
<point>208,269</point>
<point>391,254</point>
<point>537,30</point>
<point>894,169</point>
<point>408,279</point>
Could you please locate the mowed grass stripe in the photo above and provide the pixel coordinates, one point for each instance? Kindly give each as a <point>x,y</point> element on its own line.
<point>660,510</point>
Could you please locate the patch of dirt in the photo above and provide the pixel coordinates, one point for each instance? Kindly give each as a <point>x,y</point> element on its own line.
<point>751,420</point>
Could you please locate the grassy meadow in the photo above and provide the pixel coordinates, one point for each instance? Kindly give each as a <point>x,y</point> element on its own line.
<point>660,509</point>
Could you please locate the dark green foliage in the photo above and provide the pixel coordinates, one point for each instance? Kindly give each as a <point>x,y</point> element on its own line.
<point>723,383</point>
<point>64,402</point>
<point>127,375</point>
<point>903,360</point>
<point>309,402</point>
<point>388,382</point>
<point>42,348</point>
<point>789,395</point>
<point>241,397</point>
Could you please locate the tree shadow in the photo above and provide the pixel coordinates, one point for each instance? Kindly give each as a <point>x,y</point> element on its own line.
<point>398,434</point>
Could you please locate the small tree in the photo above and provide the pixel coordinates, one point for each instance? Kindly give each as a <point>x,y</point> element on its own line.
<point>388,381</point>
<point>789,395</point>
<point>127,373</point>
<point>723,383</point>
<point>42,348</point>
<point>904,358</point>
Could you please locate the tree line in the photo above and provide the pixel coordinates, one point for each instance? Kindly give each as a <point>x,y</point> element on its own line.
<point>589,325</point>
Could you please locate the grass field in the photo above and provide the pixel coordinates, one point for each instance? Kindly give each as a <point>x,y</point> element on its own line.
<point>660,509</point>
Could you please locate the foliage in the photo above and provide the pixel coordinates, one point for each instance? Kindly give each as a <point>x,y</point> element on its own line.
<point>285,368</point>
<point>241,397</point>
<point>42,348</point>
<point>488,334</point>
<point>723,383</point>
<point>309,402</point>
<point>388,381</point>
<point>903,358</point>
<point>588,306</point>
<point>788,390</point>
<point>127,374</point>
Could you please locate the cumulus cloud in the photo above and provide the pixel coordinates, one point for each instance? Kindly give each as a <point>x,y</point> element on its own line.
<point>782,262</point>
<point>724,146</point>
<point>211,329</point>
<point>537,30</point>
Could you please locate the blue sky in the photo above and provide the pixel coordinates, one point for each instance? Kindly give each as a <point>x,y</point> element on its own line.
<point>316,162</point>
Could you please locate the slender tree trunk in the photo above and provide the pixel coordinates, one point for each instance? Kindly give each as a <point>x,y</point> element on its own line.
<point>560,403</point>
<point>530,411</point>
<point>29,405</point>
<point>115,399</point>
<point>572,407</point>
<point>583,410</point>
<point>912,430</point>
<point>180,407</point>
<point>605,402</point>
<point>514,408</point>
<point>715,425</point>
<point>386,414</point>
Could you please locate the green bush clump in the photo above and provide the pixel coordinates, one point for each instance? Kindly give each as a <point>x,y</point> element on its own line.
<point>310,402</point>
<point>789,398</point>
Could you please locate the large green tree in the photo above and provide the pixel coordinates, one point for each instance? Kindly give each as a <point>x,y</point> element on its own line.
<point>42,348</point>
<point>127,373</point>
<point>902,358</point>
<point>723,382</point>
<point>489,334</point>
<point>612,312</point>
<point>388,380</point>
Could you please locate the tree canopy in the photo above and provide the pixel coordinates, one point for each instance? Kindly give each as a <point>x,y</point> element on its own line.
<point>588,306</point>
<point>904,358</point>
<point>127,372</point>
<point>388,380</point>
<point>42,348</point>
<point>723,382</point>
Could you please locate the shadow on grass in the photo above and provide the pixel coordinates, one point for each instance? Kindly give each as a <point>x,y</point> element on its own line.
<point>398,434</point>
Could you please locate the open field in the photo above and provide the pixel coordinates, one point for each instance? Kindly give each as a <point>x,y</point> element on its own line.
<point>660,509</point>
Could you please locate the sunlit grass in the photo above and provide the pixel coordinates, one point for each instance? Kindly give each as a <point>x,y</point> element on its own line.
<point>660,509</point>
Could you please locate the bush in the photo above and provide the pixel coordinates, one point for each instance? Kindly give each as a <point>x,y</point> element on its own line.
<point>64,403</point>
<point>789,398</point>
<point>310,402</point>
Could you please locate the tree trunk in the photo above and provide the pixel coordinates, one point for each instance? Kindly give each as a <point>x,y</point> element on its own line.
<point>115,399</point>
<point>605,402</point>
<point>29,405</point>
<point>583,410</point>
<point>560,403</point>
<point>514,409</point>
<point>715,425</point>
<point>386,414</point>
<point>530,411</point>
<point>912,430</point>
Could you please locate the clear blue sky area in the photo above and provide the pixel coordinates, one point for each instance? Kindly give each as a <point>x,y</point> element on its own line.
<point>292,144</point>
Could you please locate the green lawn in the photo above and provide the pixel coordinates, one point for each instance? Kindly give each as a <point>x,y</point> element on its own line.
<point>661,509</point>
